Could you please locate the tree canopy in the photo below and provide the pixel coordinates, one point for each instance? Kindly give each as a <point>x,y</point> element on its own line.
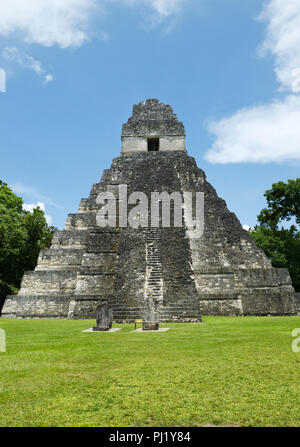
<point>22,235</point>
<point>283,203</point>
<point>281,245</point>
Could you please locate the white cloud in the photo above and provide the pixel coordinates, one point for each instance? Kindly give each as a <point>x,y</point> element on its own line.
<point>269,132</point>
<point>30,207</point>
<point>167,7</point>
<point>12,54</point>
<point>65,23</point>
<point>24,60</point>
<point>247,227</point>
<point>162,7</point>
<point>61,22</point>
<point>283,40</point>
<point>49,78</point>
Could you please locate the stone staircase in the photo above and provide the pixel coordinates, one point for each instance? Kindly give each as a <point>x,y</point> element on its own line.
<point>125,314</point>
<point>153,292</point>
<point>181,312</point>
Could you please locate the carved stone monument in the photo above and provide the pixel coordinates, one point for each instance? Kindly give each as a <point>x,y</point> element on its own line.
<point>104,318</point>
<point>151,315</point>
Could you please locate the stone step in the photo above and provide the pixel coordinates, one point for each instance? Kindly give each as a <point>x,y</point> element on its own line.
<point>154,290</point>
<point>163,310</point>
<point>154,285</point>
<point>154,294</point>
<point>176,309</point>
<point>180,311</point>
<point>125,310</point>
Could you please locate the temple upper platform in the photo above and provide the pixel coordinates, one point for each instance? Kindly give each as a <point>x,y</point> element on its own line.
<point>153,126</point>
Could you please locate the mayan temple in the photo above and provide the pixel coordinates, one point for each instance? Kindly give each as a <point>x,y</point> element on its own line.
<point>164,269</point>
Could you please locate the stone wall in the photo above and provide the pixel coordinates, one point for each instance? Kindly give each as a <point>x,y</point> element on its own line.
<point>152,119</point>
<point>140,144</point>
<point>297,297</point>
<point>2,301</point>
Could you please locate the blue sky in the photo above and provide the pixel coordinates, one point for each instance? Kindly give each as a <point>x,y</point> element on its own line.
<point>74,68</point>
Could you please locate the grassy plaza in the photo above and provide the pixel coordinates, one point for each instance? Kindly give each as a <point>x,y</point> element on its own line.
<point>235,371</point>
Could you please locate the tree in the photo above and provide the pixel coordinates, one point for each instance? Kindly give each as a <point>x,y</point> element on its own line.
<point>22,236</point>
<point>39,236</point>
<point>281,245</point>
<point>283,204</point>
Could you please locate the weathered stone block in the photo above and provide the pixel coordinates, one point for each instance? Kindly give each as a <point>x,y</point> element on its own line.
<point>150,326</point>
<point>104,317</point>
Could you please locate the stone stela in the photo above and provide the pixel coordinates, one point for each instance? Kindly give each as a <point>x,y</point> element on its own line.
<point>104,318</point>
<point>155,274</point>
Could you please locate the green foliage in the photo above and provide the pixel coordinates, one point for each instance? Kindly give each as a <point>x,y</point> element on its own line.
<point>22,236</point>
<point>281,245</point>
<point>39,236</point>
<point>228,371</point>
<point>283,203</point>
<point>6,289</point>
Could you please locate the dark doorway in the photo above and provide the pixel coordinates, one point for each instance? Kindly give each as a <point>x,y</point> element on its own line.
<point>153,144</point>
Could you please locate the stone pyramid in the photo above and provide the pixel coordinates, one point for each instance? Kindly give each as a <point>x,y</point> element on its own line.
<point>153,269</point>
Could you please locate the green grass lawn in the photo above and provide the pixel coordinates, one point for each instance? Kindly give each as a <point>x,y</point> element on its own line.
<point>227,371</point>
